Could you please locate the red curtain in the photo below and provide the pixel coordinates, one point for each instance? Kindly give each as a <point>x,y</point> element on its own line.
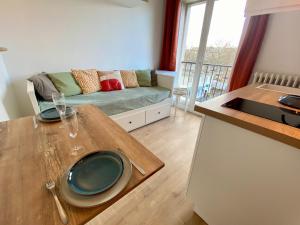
<point>170,40</point>
<point>248,51</point>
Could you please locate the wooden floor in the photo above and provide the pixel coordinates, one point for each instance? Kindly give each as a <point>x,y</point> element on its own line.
<point>161,199</point>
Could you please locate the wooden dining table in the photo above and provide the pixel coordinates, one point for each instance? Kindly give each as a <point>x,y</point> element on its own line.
<point>30,156</point>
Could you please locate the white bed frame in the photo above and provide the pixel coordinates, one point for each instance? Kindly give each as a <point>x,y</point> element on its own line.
<point>132,119</point>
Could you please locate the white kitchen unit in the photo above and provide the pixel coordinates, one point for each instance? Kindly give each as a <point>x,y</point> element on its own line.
<point>246,169</point>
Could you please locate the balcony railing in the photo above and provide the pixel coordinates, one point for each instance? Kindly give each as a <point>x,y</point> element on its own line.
<point>213,79</point>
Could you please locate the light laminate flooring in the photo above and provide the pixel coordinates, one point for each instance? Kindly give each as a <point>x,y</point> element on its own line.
<point>161,199</point>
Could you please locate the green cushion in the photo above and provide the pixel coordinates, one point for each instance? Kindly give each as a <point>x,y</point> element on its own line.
<point>65,83</point>
<point>153,78</point>
<point>143,77</point>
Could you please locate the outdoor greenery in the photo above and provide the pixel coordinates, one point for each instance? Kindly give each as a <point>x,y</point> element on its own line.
<point>219,54</point>
<point>215,71</point>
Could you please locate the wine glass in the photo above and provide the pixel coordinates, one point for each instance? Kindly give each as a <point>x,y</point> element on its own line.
<point>70,121</point>
<point>60,103</point>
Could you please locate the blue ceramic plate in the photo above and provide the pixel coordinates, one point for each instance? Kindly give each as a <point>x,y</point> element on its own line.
<point>50,114</point>
<point>95,173</point>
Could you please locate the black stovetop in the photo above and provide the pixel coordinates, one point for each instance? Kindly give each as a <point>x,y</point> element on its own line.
<point>271,112</point>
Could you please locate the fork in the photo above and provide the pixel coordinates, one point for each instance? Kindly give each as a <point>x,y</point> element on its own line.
<point>35,124</point>
<point>50,185</point>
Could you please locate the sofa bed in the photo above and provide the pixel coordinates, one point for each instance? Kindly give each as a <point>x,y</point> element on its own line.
<point>134,104</point>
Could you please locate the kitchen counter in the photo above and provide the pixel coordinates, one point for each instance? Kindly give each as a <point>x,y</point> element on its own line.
<point>245,169</point>
<point>281,132</point>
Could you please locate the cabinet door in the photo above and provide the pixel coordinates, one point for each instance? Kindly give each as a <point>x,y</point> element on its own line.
<point>239,177</point>
<point>132,122</point>
<point>157,113</point>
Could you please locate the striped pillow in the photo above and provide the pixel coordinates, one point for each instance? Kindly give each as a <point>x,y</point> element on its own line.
<point>87,79</point>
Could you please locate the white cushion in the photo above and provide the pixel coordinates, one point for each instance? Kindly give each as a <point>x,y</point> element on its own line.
<point>114,75</point>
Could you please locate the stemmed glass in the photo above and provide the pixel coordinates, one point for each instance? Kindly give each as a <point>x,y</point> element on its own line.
<point>70,121</point>
<point>60,103</point>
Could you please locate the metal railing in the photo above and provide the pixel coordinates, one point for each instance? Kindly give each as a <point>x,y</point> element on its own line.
<point>213,79</point>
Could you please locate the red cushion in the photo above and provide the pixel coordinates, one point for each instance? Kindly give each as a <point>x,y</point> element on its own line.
<point>110,85</point>
<point>105,85</point>
<point>115,84</point>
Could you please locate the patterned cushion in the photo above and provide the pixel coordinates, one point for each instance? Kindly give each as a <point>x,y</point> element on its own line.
<point>88,80</point>
<point>114,75</point>
<point>129,78</point>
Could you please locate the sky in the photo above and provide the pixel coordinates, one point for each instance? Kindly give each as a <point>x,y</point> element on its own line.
<point>226,25</point>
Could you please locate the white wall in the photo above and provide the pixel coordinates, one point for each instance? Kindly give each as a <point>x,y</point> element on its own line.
<point>8,106</point>
<point>280,50</point>
<point>3,87</point>
<point>57,35</point>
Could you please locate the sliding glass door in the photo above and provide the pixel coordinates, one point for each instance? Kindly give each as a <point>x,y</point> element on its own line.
<point>210,40</point>
<point>191,40</point>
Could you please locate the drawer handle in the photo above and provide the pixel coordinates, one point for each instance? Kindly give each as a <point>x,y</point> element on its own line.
<point>158,112</point>
<point>130,122</point>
